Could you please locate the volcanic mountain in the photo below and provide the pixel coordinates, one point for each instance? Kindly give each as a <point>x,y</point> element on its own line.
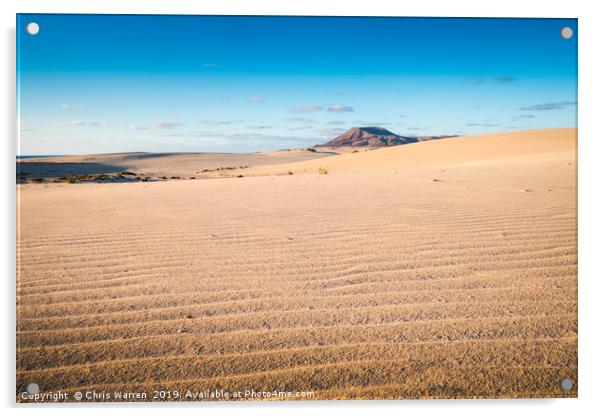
<point>369,136</point>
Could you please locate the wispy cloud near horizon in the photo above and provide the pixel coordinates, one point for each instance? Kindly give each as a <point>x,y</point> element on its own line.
<point>523,116</point>
<point>307,108</point>
<point>79,122</point>
<point>133,127</point>
<point>482,125</point>
<point>500,79</point>
<point>548,106</point>
<point>220,122</point>
<point>298,120</point>
<point>340,108</point>
<point>165,125</point>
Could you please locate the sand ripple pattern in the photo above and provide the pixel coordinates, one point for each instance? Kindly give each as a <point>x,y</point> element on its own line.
<point>371,285</point>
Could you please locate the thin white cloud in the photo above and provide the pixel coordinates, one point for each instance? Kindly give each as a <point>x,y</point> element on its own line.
<point>298,120</point>
<point>307,108</point>
<point>220,122</point>
<point>165,125</point>
<point>521,116</point>
<point>134,127</point>
<point>500,79</point>
<point>548,106</point>
<point>210,66</point>
<point>79,122</point>
<point>340,108</point>
<point>482,125</point>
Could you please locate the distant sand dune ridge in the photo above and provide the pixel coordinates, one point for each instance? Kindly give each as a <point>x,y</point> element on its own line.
<point>382,279</point>
<point>453,151</point>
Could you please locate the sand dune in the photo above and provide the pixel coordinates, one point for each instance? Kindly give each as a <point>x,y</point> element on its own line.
<point>158,165</point>
<point>385,278</point>
<point>481,149</point>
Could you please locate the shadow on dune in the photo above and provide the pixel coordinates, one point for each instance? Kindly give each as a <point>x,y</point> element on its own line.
<point>26,170</point>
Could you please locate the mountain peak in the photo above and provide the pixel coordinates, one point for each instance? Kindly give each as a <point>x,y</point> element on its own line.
<point>369,136</point>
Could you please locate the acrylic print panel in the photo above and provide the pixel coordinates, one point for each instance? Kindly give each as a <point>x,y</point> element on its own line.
<point>295,208</point>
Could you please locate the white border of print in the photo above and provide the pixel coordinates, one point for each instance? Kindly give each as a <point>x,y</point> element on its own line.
<point>590,151</point>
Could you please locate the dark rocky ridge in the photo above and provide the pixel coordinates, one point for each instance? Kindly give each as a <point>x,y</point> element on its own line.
<point>374,137</point>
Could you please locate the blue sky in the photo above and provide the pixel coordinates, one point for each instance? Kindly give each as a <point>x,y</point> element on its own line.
<point>101,83</point>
